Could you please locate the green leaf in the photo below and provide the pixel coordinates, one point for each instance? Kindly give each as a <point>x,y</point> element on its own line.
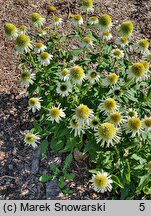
<point>44,146</point>
<point>54,169</point>
<point>117,181</point>
<point>45,178</point>
<point>75,52</point>
<point>94,171</point>
<point>61,182</point>
<point>37,126</point>
<point>67,191</point>
<point>69,176</point>
<point>57,144</point>
<point>67,162</point>
<point>143,181</point>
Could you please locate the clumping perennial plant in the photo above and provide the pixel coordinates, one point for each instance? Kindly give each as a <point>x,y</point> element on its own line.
<point>92,101</point>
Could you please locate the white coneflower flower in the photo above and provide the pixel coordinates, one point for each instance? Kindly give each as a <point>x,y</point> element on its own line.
<point>23,44</point>
<point>148,57</point>
<point>34,104</point>
<point>77,19</point>
<point>87,5</point>
<point>57,21</point>
<point>122,41</point>
<point>108,106</point>
<point>42,32</point>
<point>115,91</point>
<point>27,78</point>
<point>107,35</point>
<point>56,114</point>
<point>94,123</point>
<point>136,71</point>
<point>117,53</point>
<point>142,46</point>
<point>93,76</point>
<point>11,31</point>
<point>22,29</point>
<point>64,74</point>
<point>146,75</point>
<point>39,47</point>
<point>111,79</point>
<point>101,182</point>
<point>83,114</point>
<point>93,20</point>
<point>45,58</point>
<point>115,118</point>
<point>77,128</point>
<point>133,126</point>
<point>132,113</point>
<point>31,139</point>
<point>105,22</point>
<point>64,89</point>
<point>147,123</point>
<point>86,42</point>
<point>77,74</point>
<point>37,20</point>
<point>51,9</point>
<point>107,134</point>
<point>126,29</point>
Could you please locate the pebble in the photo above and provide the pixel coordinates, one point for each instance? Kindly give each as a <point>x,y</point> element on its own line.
<point>35,166</point>
<point>52,190</point>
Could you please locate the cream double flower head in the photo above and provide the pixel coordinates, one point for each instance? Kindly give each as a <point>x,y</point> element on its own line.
<point>31,139</point>
<point>87,5</point>
<point>101,182</point>
<point>108,105</point>
<point>63,89</point>
<point>11,31</point>
<point>77,19</point>
<point>110,80</point>
<point>107,134</point>
<point>57,21</point>
<point>39,47</point>
<point>77,75</point>
<point>105,23</point>
<point>56,114</point>
<point>142,46</point>
<point>93,20</point>
<point>93,76</point>
<point>139,71</point>
<point>146,123</point>
<point>23,44</point>
<point>86,42</point>
<point>117,53</point>
<point>37,20</point>
<point>126,29</point>
<point>27,78</point>
<point>76,127</point>
<point>64,74</point>
<point>34,104</point>
<point>133,126</point>
<point>44,58</point>
<point>83,115</point>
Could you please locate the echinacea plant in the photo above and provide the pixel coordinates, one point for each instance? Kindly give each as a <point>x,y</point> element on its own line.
<point>94,98</point>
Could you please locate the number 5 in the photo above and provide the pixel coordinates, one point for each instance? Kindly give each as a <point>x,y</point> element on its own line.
<point>142,206</point>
